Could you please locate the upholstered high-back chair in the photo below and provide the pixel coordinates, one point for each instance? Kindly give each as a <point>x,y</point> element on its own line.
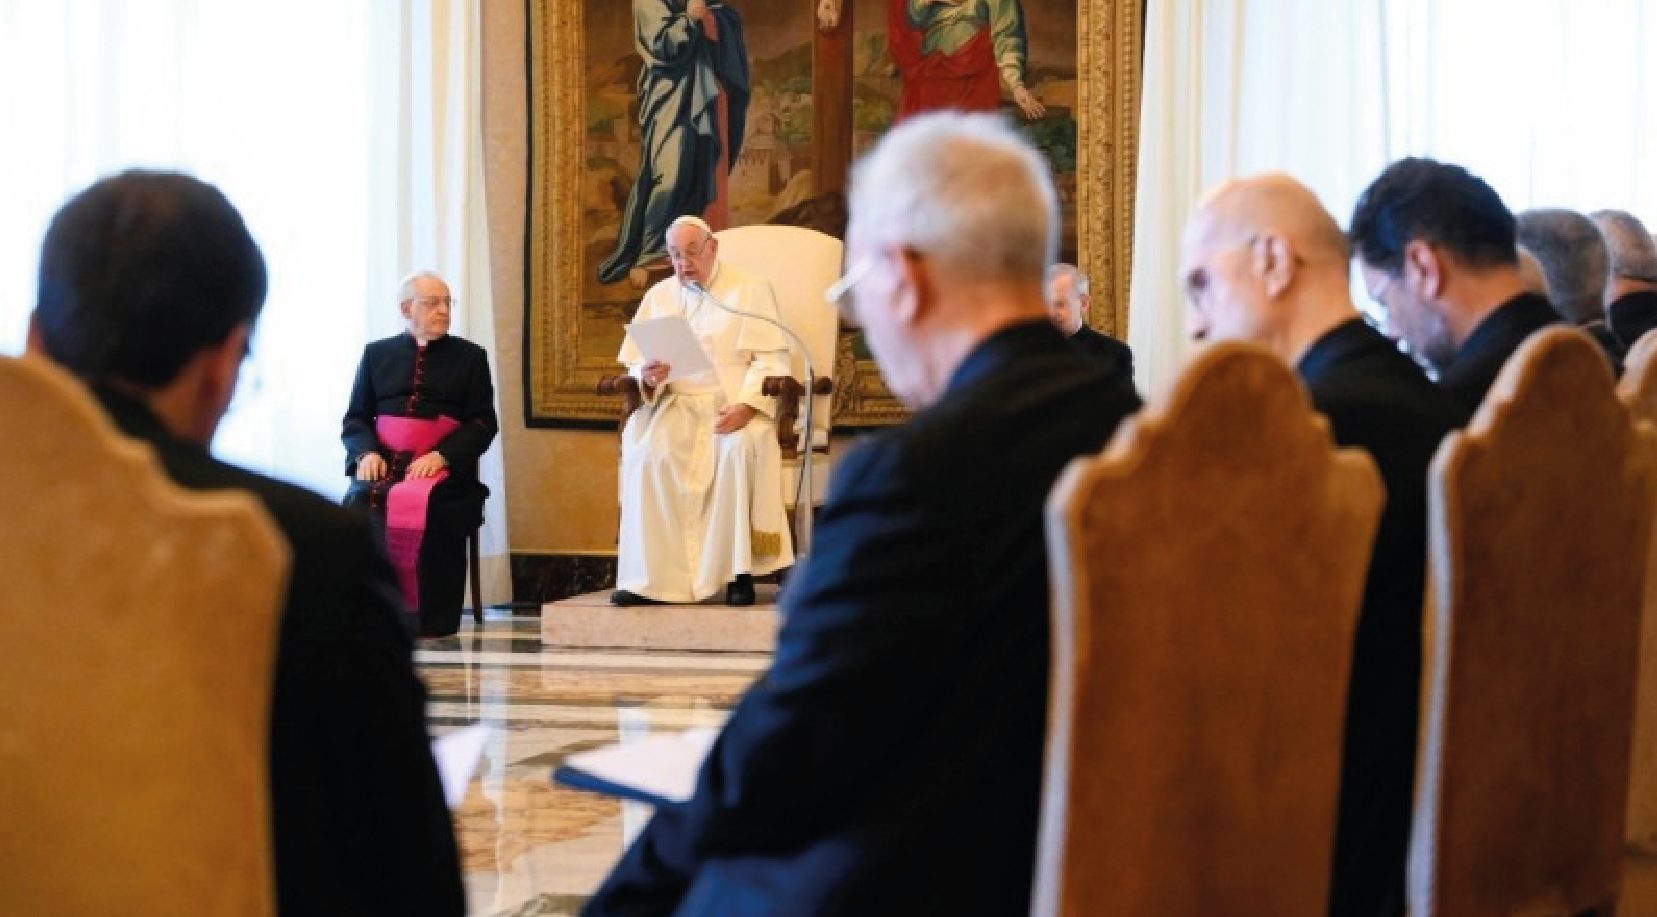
<point>1206,570</point>
<point>139,626</point>
<point>1638,390</point>
<point>801,264</point>
<point>1539,527</point>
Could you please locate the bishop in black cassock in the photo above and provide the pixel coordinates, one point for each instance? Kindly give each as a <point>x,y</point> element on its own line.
<point>422,408</point>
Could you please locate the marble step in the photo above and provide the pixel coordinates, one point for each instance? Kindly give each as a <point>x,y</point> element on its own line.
<point>589,621</point>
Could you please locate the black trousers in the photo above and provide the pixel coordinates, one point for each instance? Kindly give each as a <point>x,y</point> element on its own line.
<point>442,563</point>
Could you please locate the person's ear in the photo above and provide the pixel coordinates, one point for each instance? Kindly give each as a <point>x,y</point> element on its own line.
<point>916,289</point>
<point>1274,262</point>
<point>407,308</point>
<point>1423,269</point>
<point>35,345</point>
<point>206,384</point>
<point>224,368</point>
<point>227,360</point>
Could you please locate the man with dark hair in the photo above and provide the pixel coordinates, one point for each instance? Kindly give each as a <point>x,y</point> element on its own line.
<point>1438,249</point>
<point>149,288</point>
<point>1265,262</point>
<point>1574,260</point>
<point>1631,284</point>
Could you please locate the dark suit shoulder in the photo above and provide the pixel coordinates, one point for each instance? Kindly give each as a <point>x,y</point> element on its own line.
<point>1484,353</point>
<point>1370,390</point>
<point>1110,353</point>
<point>1016,387</point>
<point>395,343</point>
<point>402,341</point>
<point>304,516</point>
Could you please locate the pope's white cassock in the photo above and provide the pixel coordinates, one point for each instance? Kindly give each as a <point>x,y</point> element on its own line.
<point>698,508</point>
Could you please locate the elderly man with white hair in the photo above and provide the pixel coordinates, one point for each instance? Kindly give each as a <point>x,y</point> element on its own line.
<point>421,414</point>
<point>1631,287</point>
<point>701,472</point>
<point>890,760</point>
<point>1068,299</point>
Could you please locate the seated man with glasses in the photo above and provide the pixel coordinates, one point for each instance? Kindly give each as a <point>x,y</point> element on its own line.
<point>422,412</point>
<point>890,760</point>
<point>701,472</point>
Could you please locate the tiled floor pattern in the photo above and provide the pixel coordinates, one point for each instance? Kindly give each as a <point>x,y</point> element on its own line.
<point>529,847</point>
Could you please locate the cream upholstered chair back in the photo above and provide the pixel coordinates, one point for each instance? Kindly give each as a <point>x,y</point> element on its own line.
<point>140,632</point>
<point>801,264</point>
<point>1199,676</point>
<point>1638,390</point>
<point>1539,527</point>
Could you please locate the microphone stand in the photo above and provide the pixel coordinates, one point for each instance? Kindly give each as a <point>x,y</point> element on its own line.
<point>802,504</point>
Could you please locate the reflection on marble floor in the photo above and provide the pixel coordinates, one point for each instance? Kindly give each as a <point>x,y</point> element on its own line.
<point>529,847</point>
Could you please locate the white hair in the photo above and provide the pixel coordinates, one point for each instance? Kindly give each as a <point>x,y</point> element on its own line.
<point>1078,278</point>
<point>1633,252</point>
<point>965,189</point>
<point>405,290</point>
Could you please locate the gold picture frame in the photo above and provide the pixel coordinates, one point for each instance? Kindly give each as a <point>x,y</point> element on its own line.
<point>561,374</point>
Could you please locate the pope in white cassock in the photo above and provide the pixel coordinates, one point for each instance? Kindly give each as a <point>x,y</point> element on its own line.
<point>701,488</point>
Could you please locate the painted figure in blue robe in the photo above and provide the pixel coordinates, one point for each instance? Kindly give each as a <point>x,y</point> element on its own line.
<point>693,106</point>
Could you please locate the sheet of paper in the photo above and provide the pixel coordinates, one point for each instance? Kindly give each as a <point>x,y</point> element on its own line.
<point>661,767</point>
<point>670,340</point>
<point>457,757</point>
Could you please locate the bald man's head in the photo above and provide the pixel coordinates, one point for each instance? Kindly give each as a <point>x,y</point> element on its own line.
<point>1263,261</point>
<point>1275,204</point>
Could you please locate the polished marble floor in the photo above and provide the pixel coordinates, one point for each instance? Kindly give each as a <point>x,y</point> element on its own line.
<point>529,847</point>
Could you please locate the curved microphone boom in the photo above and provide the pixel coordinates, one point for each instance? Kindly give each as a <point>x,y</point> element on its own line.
<point>802,507</point>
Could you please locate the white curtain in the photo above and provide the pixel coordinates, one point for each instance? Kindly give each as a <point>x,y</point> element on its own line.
<point>346,131</point>
<point>1548,100</point>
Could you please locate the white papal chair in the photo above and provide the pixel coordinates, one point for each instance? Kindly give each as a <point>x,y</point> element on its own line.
<point>801,264</point>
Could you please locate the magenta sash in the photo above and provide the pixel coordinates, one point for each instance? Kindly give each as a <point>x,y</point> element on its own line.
<point>405,502</point>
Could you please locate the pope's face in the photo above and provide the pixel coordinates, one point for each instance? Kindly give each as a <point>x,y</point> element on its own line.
<point>693,253</point>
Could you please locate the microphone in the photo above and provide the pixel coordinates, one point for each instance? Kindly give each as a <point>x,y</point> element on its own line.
<point>802,507</point>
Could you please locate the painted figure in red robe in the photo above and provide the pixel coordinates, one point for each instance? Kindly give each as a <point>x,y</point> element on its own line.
<point>959,54</point>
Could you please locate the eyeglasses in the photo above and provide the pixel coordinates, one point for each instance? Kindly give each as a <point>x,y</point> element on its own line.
<point>432,302</point>
<point>837,293</point>
<point>853,276</point>
<point>1197,279</point>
